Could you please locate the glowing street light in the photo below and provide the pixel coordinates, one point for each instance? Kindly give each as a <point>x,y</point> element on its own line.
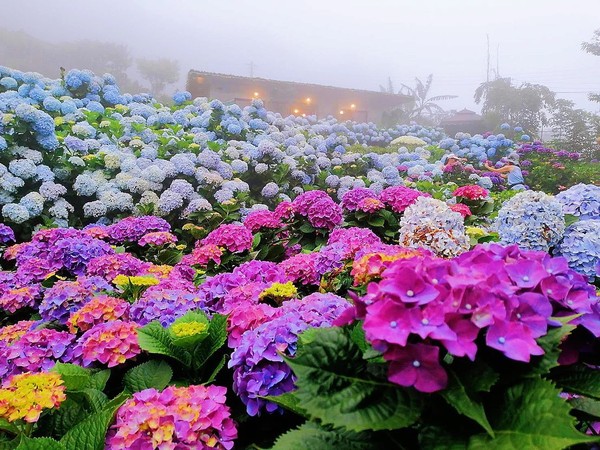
<point>341,111</point>
<point>352,106</point>
<point>296,111</point>
<point>256,94</point>
<point>308,100</point>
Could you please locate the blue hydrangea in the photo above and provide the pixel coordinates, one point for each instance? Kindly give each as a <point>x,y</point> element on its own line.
<point>532,220</point>
<point>270,190</point>
<point>581,247</point>
<point>581,200</point>
<point>15,213</point>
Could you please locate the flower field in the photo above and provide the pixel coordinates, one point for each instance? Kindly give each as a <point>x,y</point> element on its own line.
<point>205,276</point>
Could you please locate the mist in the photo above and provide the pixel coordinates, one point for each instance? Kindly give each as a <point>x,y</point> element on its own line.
<point>341,43</point>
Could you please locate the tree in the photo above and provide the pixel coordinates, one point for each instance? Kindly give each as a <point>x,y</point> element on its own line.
<point>159,73</point>
<point>571,127</point>
<point>422,109</point>
<point>593,48</point>
<point>526,105</point>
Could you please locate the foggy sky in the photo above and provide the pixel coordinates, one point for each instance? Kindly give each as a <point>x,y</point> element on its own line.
<point>346,43</point>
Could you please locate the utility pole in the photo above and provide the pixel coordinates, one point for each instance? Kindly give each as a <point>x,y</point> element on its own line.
<point>498,61</point>
<point>488,59</point>
<point>252,66</point>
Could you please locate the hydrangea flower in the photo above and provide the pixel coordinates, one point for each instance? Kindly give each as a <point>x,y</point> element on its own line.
<point>6,234</point>
<point>99,309</point>
<point>471,192</point>
<point>111,343</point>
<point>235,238</point>
<point>109,266</point>
<point>581,200</point>
<point>533,220</point>
<point>157,238</point>
<point>25,396</point>
<point>581,247</point>
<point>399,197</point>
<point>177,417</point>
<point>431,224</point>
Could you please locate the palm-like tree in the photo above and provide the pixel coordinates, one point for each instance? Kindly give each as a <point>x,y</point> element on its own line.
<point>423,108</point>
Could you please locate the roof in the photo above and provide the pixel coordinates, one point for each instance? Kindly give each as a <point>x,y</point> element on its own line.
<point>463,116</point>
<point>295,83</point>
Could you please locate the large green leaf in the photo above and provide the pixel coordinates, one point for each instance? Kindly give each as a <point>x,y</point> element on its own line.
<point>289,401</point>
<point>464,399</point>
<point>335,387</point>
<point>578,380</point>
<point>312,436</point>
<point>551,345</point>
<point>152,374</point>
<point>99,379</point>
<point>531,416</point>
<point>217,335</point>
<point>75,377</point>
<point>588,406</point>
<point>155,339</point>
<point>435,438</point>
<point>42,443</point>
<point>90,433</point>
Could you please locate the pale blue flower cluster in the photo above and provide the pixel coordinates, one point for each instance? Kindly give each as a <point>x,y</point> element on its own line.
<point>581,247</point>
<point>531,219</point>
<point>581,200</point>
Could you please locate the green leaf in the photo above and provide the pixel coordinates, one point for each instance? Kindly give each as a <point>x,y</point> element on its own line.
<point>42,443</point>
<point>8,426</point>
<point>99,379</point>
<point>570,219</point>
<point>70,413</point>
<point>463,398</point>
<point>531,415</point>
<point>217,335</point>
<point>75,377</point>
<point>216,370</point>
<point>96,399</point>
<point>312,436</point>
<point>90,433</point>
<point>306,228</point>
<point>588,406</point>
<point>189,342</point>
<point>335,387</point>
<point>435,438</point>
<point>288,401</point>
<point>551,345</point>
<point>152,374</point>
<point>155,339</point>
<point>578,380</point>
<point>376,221</point>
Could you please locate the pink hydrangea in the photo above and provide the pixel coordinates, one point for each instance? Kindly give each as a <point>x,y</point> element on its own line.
<point>399,197</point>
<point>202,255</point>
<point>235,238</point>
<point>471,192</point>
<point>98,310</point>
<point>462,209</point>
<point>325,213</point>
<point>263,218</point>
<point>354,238</point>
<point>370,205</point>
<point>12,300</point>
<point>352,199</point>
<point>157,238</point>
<point>176,418</point>
<point>284,211</point>
<point>109,266</point>
<point>304,201</point>
<point>301,268</point>
<point>246,317</point>
<point>110,343</point>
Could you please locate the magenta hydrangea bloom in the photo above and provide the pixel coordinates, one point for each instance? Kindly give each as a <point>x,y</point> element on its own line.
<point>202,255</point>
<point>505,293</point>
<point>98,310</point>
<point>261,219</point>
<point>191,417</point>
<point>235,238</point>
<point>6,234</point>
<point>354,238</point>
<point>157,238</point>
<point>370,205</point>
<point>353,198</point>
<point>417,365</point>
<point>14,299</point>
<point>131,229</point>
<point>66,297</point>
<point>471,192</point>
<point>400,197</point>
<point>110,343</point>
<point>35,270</point>
<point>301,269</point>
<point>35,351</point>
<point>324,213</point>
<point>304,201</point>
<point>247,317</point>
<point>284,211</point>
<point>109,266</point>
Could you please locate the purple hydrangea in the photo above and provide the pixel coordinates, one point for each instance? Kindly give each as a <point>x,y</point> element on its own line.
<point>165,306</point>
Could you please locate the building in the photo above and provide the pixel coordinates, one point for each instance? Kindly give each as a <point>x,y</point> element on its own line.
<point>302,99</point>
<point>466,121</point>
